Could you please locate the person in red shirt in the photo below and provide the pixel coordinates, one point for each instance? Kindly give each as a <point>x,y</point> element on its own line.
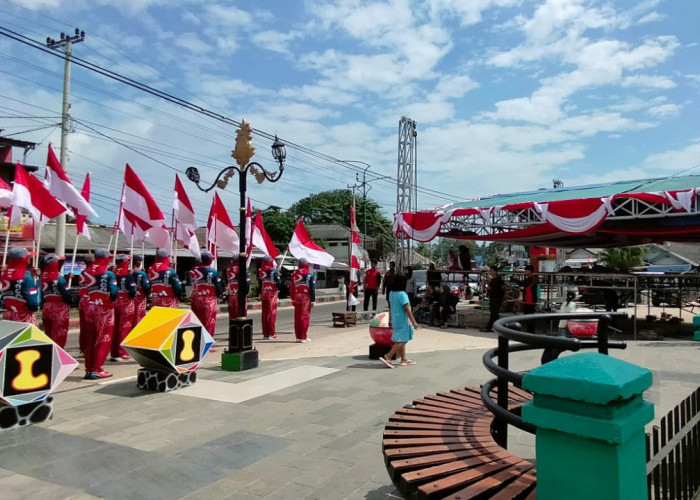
<point>372,279</point>
<point>529,296</point>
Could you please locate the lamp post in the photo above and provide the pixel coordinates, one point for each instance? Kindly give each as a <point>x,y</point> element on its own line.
<point>240,355</point>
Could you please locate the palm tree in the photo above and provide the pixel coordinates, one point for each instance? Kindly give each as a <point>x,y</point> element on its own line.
<point>624,259</point>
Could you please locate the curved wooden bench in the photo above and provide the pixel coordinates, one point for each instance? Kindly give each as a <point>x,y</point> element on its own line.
<point>443,448</point>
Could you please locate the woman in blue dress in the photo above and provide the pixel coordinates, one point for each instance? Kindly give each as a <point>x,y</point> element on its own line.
<point>402,320</point>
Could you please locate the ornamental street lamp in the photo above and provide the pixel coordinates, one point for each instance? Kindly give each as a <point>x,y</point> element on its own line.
<point>240,354</point>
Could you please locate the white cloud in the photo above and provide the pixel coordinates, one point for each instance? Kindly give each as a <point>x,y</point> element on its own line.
<point>665,110</point>
<point>274,41</point>
<point>681,160</point>
<point>469,12</point>
<point>455,86</point>
<point>648,81</point>
<point>191,43</point>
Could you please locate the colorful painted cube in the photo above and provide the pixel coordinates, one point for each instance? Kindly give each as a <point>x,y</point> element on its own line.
<point>169,340</point>
<point>31,364</point>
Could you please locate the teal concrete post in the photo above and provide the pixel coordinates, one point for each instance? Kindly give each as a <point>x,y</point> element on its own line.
<point>696,324</point>
<point>590,417</point>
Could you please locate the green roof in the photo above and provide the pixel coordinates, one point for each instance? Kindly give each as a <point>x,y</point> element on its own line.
<point>590,191</point>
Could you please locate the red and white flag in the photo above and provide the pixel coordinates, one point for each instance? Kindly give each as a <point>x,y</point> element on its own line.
<point>5,194</point>
<point>355,251</point>
<point>302,245</point>
<point>30,193</point>
<point>60,186</point>
<point>220,230</point>
<point>139,215</point>
<point>184,219</point>
<point>80,226</point>
<point>261,240</point>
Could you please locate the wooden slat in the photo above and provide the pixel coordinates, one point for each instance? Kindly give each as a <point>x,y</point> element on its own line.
<point>444,445</point>
<point>493,484</point>
<point>447,485</point>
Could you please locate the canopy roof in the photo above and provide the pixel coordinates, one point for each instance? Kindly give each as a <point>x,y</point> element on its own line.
<point>604,215</point>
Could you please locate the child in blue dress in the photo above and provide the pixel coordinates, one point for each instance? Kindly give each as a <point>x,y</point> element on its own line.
<point>402,320</point>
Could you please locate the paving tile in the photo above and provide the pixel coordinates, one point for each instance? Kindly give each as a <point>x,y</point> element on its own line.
<point>235,451</point>
<point>20,487</point>
<point>164,477</point>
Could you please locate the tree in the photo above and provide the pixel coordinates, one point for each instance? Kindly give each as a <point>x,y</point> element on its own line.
<point>331,207</point>
<point>279,225</point>
<point>624,259</point>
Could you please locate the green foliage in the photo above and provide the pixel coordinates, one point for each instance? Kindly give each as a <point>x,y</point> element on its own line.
<point>279,225</point>
<point>624,259</point>
<point>331,207</point>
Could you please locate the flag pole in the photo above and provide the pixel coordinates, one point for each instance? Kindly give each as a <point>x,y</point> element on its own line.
<point>115,231</point>
<point>38,242</point>
<point>7,235</point>
<point>75,250</point>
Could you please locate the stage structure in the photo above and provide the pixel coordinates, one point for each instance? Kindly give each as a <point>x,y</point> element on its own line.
<point>618,214</point>
<point>406,184</point>
<point>31,367</point>
<point>169,344</point>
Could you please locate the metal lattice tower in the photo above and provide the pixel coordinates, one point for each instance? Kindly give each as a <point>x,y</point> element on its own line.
<point>406,184</point>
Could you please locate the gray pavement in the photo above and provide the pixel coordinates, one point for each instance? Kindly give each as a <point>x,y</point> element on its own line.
<point>306,424</point>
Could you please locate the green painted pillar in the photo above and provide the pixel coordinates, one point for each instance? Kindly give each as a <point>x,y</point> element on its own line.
<point>696,324</point>
<point>590,417</point>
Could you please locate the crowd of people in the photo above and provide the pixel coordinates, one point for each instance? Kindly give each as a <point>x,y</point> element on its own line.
<point>114,291</point>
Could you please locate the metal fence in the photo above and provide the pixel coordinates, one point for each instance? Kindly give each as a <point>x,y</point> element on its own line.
<point>673,453</point>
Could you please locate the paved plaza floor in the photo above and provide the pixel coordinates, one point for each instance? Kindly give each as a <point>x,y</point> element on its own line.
<point>306,424</point>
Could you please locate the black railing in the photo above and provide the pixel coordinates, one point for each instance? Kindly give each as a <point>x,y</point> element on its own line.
<point>673,453</point>
<point>510,329</point>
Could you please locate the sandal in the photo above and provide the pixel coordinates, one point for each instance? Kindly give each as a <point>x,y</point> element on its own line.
<point>408,362</point>
<point>387,363</point>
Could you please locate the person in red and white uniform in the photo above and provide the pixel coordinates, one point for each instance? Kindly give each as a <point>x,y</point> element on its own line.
<point>124,307</point>
<point>20,293</point>
<point>303,292</point>
<point>207,287</point>
<point>55,299</point>
<point>232,278</point>
<point>270,282</point>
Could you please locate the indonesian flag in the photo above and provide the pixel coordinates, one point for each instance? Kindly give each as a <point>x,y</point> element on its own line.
<point>5,194</point>
<point>80,226</point>
<point>185,221</point>
<point>29,192</point>
<point>139,215</point>
<point>303,246</point>
<point>355,250</point>
<point>60,186</point>
<point>220,230</point>
<point>261,240</point>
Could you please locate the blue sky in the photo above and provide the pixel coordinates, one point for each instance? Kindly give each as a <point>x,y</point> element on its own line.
<point>507,94</point>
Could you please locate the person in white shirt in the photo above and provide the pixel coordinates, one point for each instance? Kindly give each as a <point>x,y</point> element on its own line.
<point>568,306</point>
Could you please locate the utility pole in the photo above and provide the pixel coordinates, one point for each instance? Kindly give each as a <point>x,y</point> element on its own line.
<point>66,42</point>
